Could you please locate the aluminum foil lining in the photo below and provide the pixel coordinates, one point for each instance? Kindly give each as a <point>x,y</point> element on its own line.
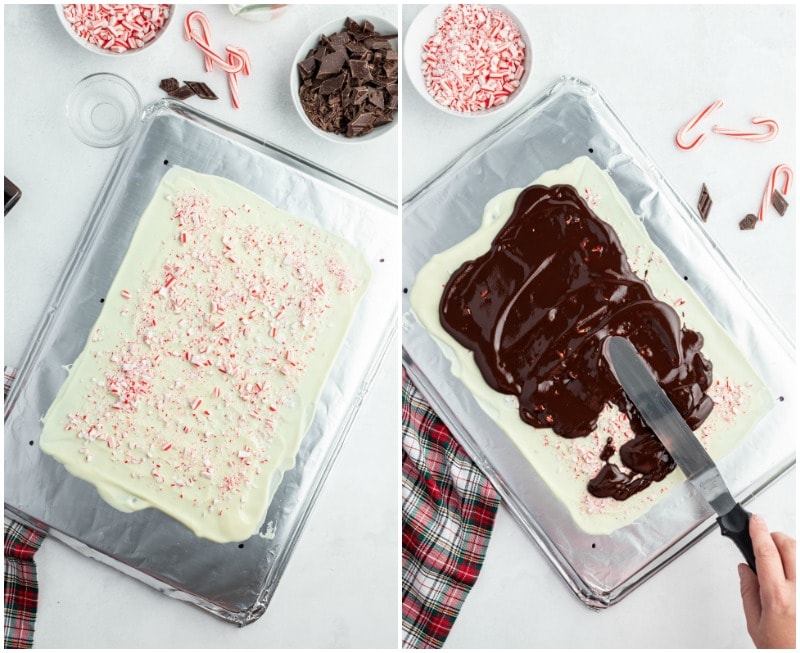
<point>572,119</point>
<point>233,583</point>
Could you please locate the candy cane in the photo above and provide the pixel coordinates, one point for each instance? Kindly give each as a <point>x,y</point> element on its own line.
<point>683,131</point>
<point>238,60</point>
<point>772,131</point>
<point>787,184</point>
<point>205,37</point>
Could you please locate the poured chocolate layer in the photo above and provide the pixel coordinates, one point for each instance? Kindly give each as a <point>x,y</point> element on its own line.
<point>535,310</point>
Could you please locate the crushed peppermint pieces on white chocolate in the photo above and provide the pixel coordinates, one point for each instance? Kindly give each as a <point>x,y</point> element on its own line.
<point>223,328</point>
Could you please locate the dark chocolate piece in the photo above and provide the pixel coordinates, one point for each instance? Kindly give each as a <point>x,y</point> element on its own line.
<point>332,84</point>
<point>748,222</point>
<point>359,69</point>
<point>349,81</point>
<point>169,85</point>
<point>704,203</point>
<point>376,98</point>
<point>201,90</point>
<point>332,63</point>
<point>182,93</point>
<point>307,67</point>
<point>11,194</point>
<point>535,310</point>
<point>779,202</point>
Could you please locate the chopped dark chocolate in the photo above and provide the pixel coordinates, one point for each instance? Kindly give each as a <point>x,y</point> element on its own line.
<point>748,222</point>
<point>306,67</point>
<point>704,203</point>
<point>181,93</point>
<point>175,90</point>
<point>356,48</point>
<point>360,69</point>
<point>169,84</point>
<point>376,98</point>
<point>779,202</point>
<point>332,63</point>
<point>377,44</point>
<point>332,84</point>
<point>349,80</point>
<point>202,90</point>
<point>339,39</point>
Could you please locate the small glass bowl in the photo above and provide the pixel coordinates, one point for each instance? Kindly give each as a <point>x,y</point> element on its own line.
<point>102,110</point>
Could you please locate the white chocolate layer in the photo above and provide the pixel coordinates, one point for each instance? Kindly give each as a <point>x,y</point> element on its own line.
<point>566,465</point>
<point>203,371</point>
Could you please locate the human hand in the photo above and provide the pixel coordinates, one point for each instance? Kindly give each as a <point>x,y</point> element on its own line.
<point>769,598</point>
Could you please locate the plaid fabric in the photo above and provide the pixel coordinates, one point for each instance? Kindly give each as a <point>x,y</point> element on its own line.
<point>449,509</point>
<point>21,588</point>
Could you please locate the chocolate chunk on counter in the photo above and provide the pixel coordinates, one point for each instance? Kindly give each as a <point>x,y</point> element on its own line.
<point>181,93</point>
<point>169,85</point>
<point>201,90</point>
<point>174,89</point>
<point>349,80</point>
<point>704,203</point>
<point>748,222</point>
<point>779,202</point>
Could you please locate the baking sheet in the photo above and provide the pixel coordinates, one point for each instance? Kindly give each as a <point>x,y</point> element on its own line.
<point>233,581</point>
<point>572,119</point>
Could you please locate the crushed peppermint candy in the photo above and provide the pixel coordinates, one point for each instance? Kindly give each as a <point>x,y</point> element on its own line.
<point>475,59</point>
<point>189,398</point>
<point>117,28</point>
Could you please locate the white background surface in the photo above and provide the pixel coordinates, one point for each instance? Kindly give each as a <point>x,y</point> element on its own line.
<point>341,585</point>
<point>657,66</point>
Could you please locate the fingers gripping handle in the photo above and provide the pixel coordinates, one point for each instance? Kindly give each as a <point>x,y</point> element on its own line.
<point>736,526</point>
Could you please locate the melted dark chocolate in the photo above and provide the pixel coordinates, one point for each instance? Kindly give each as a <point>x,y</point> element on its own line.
<point>535,310</point>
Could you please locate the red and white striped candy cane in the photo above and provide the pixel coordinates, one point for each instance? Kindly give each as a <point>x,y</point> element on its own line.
<point>756,137</point>
<point>203,38</point>
<point>771,185</point>
<point>680,137</point>
<point>238,60</point>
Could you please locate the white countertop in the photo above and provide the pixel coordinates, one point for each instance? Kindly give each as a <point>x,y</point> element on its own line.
<point>340,588</point>
<point>657,66</point>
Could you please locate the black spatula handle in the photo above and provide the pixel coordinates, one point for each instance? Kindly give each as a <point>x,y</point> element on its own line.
<point>736,526</point>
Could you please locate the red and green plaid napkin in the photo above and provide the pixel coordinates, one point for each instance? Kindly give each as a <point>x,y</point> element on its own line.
<point>21,588</point>
<point>449,509</point>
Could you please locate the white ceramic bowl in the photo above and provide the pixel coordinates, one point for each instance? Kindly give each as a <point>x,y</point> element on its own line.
<point>422,28</point>
<point>97,50</point>
<point>382,26</point>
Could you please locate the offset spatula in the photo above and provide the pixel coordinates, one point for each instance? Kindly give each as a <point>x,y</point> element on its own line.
<point>658,411</point>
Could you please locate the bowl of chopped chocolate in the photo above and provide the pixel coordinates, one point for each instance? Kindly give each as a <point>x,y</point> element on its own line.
<point>344,79</point>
